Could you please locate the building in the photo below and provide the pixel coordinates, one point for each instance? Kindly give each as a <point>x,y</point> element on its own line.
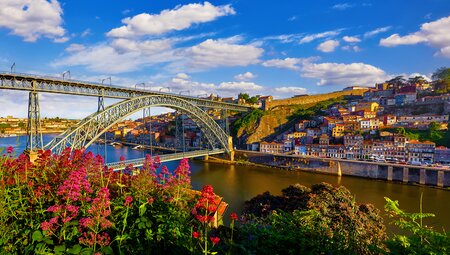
<point>405,98</point>
<point>389,120</point>
<point>442,155</point>
<point>420,152</point>
<point>424,119</point>
<point>338,131</point>
<point>272,147</point>
<point>367,106</point>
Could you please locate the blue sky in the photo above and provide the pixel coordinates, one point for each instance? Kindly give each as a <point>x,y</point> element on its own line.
<point>281,48</point>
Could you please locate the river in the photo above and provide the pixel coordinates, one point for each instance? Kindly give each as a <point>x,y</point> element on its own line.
<point>240,183</point>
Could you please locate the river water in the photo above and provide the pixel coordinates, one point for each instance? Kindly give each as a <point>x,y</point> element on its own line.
<point>240,183</point>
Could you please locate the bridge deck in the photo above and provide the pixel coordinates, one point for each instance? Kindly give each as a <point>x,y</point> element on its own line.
<point>29,82</point>
<point>164,158</point>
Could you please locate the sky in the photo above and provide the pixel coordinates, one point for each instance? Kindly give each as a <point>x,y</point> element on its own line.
<point>280,48</point>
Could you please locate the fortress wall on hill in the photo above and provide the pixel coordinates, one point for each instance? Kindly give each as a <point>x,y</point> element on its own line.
<point>313,98</point>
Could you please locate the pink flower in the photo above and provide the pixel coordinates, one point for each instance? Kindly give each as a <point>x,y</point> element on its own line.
<point>122,158</point>
<point>10,150</point>
<point>128,201</point>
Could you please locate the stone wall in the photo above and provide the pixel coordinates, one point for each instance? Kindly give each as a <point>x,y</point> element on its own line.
<point>313,99</point>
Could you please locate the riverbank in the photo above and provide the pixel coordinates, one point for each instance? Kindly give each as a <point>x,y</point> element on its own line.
<point>412,175</point>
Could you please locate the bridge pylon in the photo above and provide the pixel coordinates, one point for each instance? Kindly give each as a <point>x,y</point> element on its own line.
<point>34,132</point>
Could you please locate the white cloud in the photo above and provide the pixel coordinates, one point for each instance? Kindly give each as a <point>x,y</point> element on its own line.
<point>182,76</point>
<point>74,47</point>
<point>239,86</point>
<point>32,19</point>
<point>289,63</point>
<point>351,39</point>
<point>180,18</point>
<point>86,32</point>
<point>342,6</point>
<point>122,55</point>
<point>354,48</point>
<point>435,33</point>
<point>344,74</point>
<point>214,53</point>
<point>292,18</point>
<point>332,73</point>
<point>328,46</point>
<point>245,76</point>
<point>376,31</point>
<point>327,34</point>
<point>286,38</point>
<point>290,91</point>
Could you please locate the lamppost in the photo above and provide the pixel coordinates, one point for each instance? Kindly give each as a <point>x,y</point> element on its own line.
<point>64,74</point>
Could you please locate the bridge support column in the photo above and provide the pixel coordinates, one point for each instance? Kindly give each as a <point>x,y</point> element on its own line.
<point>423,175</point>
<point>206,158</point>
<point>230,147</point>
<point>390,173</point>
<point>34,135</point>
<point>440,179</point>
<point>405,175</point>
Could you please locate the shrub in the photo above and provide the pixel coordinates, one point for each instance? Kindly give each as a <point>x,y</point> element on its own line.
<point>323,219</point>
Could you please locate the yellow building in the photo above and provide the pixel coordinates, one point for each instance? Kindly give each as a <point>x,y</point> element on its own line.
<point>338,130</point>
<point>367,106</point>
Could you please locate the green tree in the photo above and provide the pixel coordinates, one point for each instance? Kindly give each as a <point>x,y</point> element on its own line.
<point>400,131</point>
<point>441,79</point>
<point>244,96</point>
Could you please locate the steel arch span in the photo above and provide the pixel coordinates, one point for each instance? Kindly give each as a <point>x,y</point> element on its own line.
<point>92,127</point>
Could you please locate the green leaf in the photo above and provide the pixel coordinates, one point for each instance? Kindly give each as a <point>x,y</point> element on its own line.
<point>60,249</point>
<point>76,249</point>
<point>37,236</point>
<point>86,251</point>
<point>107,250</point>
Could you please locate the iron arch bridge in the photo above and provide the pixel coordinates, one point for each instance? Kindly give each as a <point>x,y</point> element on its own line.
<point>92,127</point>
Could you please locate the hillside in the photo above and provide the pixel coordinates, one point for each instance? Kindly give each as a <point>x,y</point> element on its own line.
<point>262,125</point>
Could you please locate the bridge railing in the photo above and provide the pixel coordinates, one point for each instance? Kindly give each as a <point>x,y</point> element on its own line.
<point>80,82</point>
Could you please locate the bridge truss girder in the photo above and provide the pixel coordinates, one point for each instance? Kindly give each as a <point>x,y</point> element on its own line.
<point>89,129</point>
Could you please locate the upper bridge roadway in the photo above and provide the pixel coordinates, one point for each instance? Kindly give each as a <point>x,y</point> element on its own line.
<point>29,82</point>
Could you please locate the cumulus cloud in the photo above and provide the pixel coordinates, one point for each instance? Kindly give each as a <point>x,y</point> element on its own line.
<point>376,31</point>
<point>327,34</point>
<point>180,18</point>
<point>435,33</point>
<point>289,63</point>
<point>245,76</point>
<point>344,74</point>
<point>342,6</point>
<point>332,73</point>
<point>214,53</point>
<point>351,39</point>
<point>32,19</point>
<point>119,56</point>
<point>328,46</point>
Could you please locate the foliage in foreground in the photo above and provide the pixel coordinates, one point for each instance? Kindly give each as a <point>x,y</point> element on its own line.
<point>71,204</point>
<point>323,219</point>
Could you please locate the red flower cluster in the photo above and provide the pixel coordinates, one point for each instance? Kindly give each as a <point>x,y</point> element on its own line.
<point>234,216</point>
<point>214,240</point>
<point>206,205</point>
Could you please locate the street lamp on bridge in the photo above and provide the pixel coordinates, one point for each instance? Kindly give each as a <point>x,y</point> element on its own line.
<point>64,74</point>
